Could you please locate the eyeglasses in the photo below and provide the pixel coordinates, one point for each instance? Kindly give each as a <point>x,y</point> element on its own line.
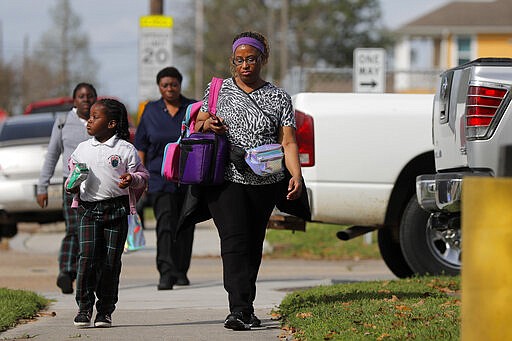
<point>251,60</point>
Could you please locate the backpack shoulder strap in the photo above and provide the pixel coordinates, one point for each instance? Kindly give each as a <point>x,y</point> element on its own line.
<point>215,86</point>
<point>189,121</point>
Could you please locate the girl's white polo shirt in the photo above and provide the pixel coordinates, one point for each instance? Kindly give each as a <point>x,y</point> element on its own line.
<point>106,162</point>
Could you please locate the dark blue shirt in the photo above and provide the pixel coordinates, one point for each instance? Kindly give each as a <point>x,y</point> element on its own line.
<point>157,128</point>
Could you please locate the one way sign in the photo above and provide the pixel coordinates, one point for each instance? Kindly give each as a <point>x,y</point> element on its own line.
<point>369,71</point>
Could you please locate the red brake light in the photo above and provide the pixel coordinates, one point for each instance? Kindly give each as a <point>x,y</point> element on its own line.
<point>305,139</point>
<point>484,91</point>
<point>482,103</point>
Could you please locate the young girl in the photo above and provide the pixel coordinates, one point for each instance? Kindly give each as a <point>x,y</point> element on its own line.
<point>106,197</point>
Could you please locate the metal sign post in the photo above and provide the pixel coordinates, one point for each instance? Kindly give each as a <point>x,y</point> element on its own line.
<point>155,53</point>
<point>369,71</point>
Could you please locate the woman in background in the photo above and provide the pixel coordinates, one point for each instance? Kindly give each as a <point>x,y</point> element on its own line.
<point>67,133</point>
<point>160,124</point>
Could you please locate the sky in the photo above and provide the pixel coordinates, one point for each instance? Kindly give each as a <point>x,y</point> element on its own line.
<point>113,28</point>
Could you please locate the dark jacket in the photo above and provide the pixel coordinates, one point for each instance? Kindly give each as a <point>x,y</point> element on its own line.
<point>195,208</point>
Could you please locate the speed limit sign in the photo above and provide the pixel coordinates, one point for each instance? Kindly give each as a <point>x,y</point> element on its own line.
<point>155,53</point>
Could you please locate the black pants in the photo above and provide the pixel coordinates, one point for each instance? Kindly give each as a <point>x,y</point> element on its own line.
<point>241,214</point>
<point>172,257</point>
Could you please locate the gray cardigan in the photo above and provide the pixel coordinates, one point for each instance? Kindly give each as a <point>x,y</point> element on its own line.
<point>66,135</point>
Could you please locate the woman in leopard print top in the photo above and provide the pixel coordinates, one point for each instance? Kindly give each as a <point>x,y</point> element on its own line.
<point>251,112</point>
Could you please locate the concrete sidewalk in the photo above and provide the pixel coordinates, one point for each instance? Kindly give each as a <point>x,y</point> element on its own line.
<point>48,238</point>
<point>195,312</point>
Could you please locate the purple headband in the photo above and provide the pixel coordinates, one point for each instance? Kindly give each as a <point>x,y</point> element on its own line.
<point>249,41</point>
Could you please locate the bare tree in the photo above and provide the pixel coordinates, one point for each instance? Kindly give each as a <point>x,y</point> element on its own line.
<point>7,87</point>
<point>63,51</point>
<point>304,33</point>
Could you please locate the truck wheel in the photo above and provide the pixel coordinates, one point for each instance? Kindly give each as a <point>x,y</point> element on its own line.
<point>8,230</point>
<point>428,251</point>
<point>392,254</point>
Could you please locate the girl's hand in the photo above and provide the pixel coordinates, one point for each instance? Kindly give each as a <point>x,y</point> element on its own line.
<point>73,190</point>
<point>294,188</point>
<point>126,180</point>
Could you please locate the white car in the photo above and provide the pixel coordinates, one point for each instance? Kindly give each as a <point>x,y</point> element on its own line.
<point>23,146</point>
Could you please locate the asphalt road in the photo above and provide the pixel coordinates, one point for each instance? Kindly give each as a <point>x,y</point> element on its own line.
<point>29,261</point>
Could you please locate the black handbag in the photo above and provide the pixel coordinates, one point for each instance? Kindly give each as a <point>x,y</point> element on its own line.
<point>237,157</point>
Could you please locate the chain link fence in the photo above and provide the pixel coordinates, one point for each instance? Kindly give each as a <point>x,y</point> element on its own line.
<point>340,80</point>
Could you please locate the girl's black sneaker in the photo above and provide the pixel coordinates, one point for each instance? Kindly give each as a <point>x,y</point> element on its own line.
<point>103,321</point>
<point>82,319</point>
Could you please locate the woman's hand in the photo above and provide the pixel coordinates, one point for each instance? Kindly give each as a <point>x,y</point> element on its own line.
<point>42,200</point>
<point>215,124</point>
<point>291,160</point>
<point>294,188</point>
<point>126,180</point>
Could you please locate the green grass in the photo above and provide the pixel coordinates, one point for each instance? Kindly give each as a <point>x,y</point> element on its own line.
<point>319,242</point>
<point>18,304</point>
<point>423,308</point>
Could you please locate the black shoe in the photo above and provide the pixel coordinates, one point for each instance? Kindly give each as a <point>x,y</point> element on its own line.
<point>103,321</point>
<point>254,321</point>
<point>82,319</point>
<point>237,321</point>
<point>65,283</point>
<point>164,286</point>
<point>182,281</point>
<point>165,283</point>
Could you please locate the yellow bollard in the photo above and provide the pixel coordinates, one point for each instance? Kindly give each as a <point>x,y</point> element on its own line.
<point>486,259</point>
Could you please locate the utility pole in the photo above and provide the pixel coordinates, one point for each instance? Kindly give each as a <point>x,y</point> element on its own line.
<point>199,26</point>
<point>1,45</point>
<point>156,7</point>
<point>25,98</point>
<point>284,41</point>
<point>271,19</point>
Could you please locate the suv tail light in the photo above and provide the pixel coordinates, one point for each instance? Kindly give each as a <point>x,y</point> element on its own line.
<point>305,139</point>
<point>482,104</point>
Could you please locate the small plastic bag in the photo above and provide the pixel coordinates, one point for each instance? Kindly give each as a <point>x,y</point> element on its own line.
<point>135,238</point>
<point>77,176</point>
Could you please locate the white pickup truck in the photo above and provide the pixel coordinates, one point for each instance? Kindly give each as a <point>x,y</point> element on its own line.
<point>361,154</point>
<point>396,162</point>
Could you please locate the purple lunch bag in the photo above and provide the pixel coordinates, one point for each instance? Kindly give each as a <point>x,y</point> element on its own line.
<point>203,159</point>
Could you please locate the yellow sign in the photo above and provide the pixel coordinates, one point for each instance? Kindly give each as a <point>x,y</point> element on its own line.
<point>155,52</point>
<point>156,21</point>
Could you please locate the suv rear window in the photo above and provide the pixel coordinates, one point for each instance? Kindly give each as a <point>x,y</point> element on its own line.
<point>26,127</point>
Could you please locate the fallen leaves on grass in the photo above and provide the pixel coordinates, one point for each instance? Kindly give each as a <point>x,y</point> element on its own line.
<point>419,303</point>
<point>275,316</point>
<point>392,299</point>
<point>402,308</point>
<point>304,315</point>
<point>330,335</point>
<point>47,313</point>
<point>383,336</point>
